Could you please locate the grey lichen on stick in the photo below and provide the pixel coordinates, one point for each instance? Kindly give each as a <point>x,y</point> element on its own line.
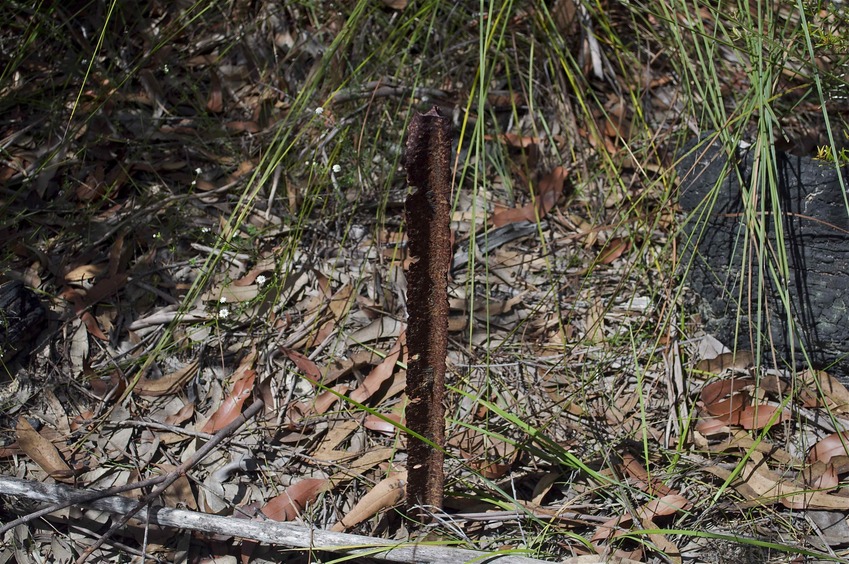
<point>428,165</point>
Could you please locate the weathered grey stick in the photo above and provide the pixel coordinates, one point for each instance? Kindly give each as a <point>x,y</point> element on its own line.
<point>268,532</point>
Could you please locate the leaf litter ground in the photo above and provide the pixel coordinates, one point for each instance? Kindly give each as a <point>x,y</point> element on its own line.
<point>188,272</point>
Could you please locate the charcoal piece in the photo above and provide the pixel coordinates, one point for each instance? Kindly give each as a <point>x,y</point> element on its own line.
<point>815,225</point>
<point>22,318</point>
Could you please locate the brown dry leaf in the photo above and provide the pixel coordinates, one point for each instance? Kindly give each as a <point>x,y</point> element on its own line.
<point>180,492</point>
<point>265,264</point>
<point>762,485</point>
<point>308,367</point>
<point>759,416</point>
<point>343,367</point>
<point>395,4</point>
<point>85,272</point>
<point>638,473</point>
<point>341,301</point>
<point>729,410</point>
<point>487,454</point>
<point>326,450</point>
<point>103,289</point>
<point>358,467</point>
<point>339,304</point>
<point>378,425</point>
<point>835,393</point>
<point>550,189</point>
<point>184,414</point>
<point>289,504</point>
<point>516,140</point>
<point>242,126</point>
<point>377,329</point>
<point>617,123</point>
<point>742,441</point>
<point>820,476</point>
<point>565,17</point>
<point>666,505</point>
<point>231,408</point>
<point>716,391</point>
<point>91,326</point>
<point>380,373</point>
<point>231,293</point>
<point>42,452</point>
<point>387,493</point>
<point>741,361</point>
<point>327,398</point>
<point>594,321</point>
<point>101,387</point>
<point>835,444</point>
<point>543,487</point>
<point>168,384</point>
<point>709,426</point>
<point>613,250</point>
<point>215,102</point>
<point>243,385</point>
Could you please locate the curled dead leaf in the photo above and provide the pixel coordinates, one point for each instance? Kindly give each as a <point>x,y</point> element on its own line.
<point>761,415</point>
<point>740,361</point>
<point>42,452</point>
<point>820,389</point>
<point>659,507</point>
<point>835,444</point>
<point>243,384</point>
<point>709,426</point>
<point>487,453</point>
<point>289,504</point>
<point>380,373</point>
<point>729,409</point>
<point>717,390</point>
<point>169,384</point>
<point>379,425</point>
<point>387,493</point>
<point>613,250</point>
<point>549,191</point>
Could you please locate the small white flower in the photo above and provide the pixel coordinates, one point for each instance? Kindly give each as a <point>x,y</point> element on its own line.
<point>223,313</point>
<point>222,299</point>
<point>194,182</point>
<point>165,69</point>
<point>337,169</point>
<point>261,279</point>
<point>198,170</point>
<point>319,111</point>
<point>204,229</point>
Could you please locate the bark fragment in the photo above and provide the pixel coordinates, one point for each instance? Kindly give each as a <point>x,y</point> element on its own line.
<point>428,210</point>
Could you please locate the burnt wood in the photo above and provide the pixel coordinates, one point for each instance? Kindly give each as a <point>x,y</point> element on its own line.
<point>22,319</point>
<point>731,275</point>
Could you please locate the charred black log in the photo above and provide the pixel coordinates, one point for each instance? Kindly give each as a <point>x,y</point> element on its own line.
<point>732,274</point>
<point>22,319</point>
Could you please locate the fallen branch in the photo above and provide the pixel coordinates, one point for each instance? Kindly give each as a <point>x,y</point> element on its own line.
<point>83,497</point>
<point>174,475</point>
<point>268,532</point>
